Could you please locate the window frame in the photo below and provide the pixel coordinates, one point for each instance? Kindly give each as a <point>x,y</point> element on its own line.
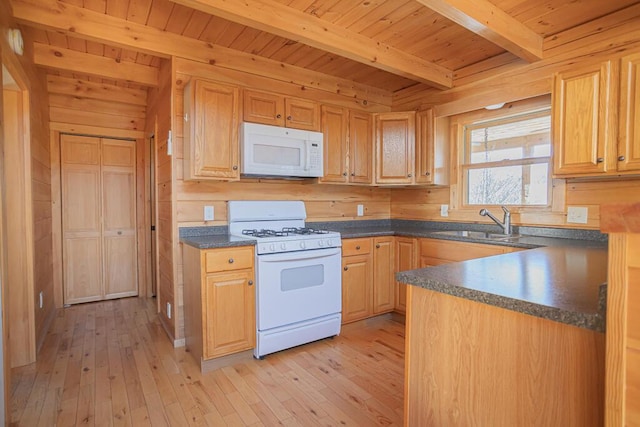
<point>458,187</point>
<point>466,164</point>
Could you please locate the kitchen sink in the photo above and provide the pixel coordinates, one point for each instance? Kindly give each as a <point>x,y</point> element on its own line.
<point>479,235</point>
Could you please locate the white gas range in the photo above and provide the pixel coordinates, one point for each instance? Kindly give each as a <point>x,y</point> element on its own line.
<point>298,274</point>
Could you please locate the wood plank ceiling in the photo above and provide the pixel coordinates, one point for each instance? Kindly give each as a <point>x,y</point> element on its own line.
<point>387,45</point>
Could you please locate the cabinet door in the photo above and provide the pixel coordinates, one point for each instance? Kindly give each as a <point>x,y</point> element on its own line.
<point>629,141</point>
<point>406,258</point>
<point>302,114</point>
<point>583,132</point>
<point>211,131</point>
<point>395,142</point>
<point>356,287</point>
<point>262,107</point>
<point>360,148</point>
<point>425,142</point>
<point>229,307</point>
<point>383,280</point>
<point>334,129</point>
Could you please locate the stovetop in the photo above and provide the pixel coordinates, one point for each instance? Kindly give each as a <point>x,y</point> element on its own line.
<point>278,226</point>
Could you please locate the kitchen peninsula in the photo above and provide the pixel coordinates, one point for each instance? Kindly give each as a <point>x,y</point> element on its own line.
<point>513,339</point>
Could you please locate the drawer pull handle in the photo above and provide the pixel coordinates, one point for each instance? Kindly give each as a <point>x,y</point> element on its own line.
<point>230,260</point>
<point>346,268</point>
<point>378,246</point>
<point>250,282</point>
<point>358,248</point>
<point>621,159</point>
<point>600,159</point>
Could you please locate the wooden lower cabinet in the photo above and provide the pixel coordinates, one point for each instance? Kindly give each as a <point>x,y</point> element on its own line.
<point>406,258</point>
<point>219,306</point>
<point>367,277</point>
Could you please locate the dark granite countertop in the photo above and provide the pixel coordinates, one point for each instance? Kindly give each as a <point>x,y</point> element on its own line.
<point>560,283</point>
<point>214,241</point>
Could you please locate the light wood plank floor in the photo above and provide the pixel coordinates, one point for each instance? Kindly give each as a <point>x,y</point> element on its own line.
<point>110,363</point>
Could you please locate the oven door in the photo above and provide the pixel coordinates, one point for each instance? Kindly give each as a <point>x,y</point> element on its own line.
<point>296,286</point>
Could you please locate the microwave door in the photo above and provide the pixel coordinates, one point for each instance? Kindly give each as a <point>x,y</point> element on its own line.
<point>272,156</point>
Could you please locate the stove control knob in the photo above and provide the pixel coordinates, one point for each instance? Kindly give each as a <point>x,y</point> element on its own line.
<point>302,245</point>
<point>329,242</point>
<point>283,246</point>
<point>272,247</point>
<point>320,242</point>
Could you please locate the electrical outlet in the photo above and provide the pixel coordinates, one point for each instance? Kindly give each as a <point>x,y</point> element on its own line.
<point>360,210</point>
<point>41,299</point>
<point>577,214</point>
<point>169,310</point>
<point>444,210</point>
<point>208,213</point>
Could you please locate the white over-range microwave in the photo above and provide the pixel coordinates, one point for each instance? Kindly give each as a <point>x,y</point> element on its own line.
<point>276,151</point>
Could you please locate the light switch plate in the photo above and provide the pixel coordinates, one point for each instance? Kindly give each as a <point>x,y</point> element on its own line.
<point>577,214</point>
<point>444,210</point>
<point>208,213</point>
<point>360,210</point>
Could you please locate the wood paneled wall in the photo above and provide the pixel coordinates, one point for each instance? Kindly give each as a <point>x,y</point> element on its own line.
<point>424,204</point>
<point>28,322</point>
<point>160,123</point>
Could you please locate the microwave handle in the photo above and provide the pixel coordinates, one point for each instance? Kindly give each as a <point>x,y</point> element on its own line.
<point>307,160</point>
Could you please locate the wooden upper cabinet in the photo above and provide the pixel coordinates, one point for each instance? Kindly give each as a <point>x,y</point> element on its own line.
<point>263,107</point>
<point>335,125</point>
<point>629,136</point>
<point>211,131</point>
<point>302,114</point>
<point>395,142</point>
<point>425,146</point>
<point>584,131</point>
<point>360,148</point>
<point>277,110</point>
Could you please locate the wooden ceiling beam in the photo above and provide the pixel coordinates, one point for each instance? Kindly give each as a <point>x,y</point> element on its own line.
<point>100,66</point>
<point>285,21</point>
<point>489,22</point>
<point>86,24</point>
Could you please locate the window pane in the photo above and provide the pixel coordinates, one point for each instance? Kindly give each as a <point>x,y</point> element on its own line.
<point>508,185</point>
<point>521,139</point>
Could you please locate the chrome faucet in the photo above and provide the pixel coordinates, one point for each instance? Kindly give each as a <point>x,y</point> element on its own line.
<point>505,225</point>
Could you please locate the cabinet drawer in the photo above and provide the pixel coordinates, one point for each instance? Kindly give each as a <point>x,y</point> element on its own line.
<point>229,259</point>
<point>356,246</point>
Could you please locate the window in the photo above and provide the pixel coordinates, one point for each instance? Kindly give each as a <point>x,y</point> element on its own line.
<point>507,160</point>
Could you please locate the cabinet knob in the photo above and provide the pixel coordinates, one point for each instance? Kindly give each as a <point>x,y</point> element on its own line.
<point>353,174</point>
<point>346,268</point>
<point>409,176</point>
<point>235,168</point>
<point>288,117</point>
<point>344,174</point>
<point>621,158</point>
<point>378,246</point>
<point>600,159</point>
<point>358,248</point>
<point>278,116</point>
<point>250,282</point>
<point>230,260</point>
<point>427,173</point>
<point>119,233</point>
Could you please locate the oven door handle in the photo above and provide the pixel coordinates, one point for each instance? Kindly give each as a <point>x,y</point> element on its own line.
<point>300,255</point>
